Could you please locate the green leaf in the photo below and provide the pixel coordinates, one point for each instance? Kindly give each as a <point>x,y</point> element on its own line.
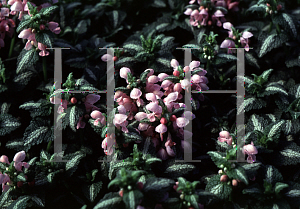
<point>153,160</point>
<point>155,188</point>
<point>220,189</point>
<point>91,191</point>
<point>43,38</point>
<point>224,58</point>
<point>74,117</point>
<point>27,59</point>
<point>238,173</point>
<point>280,186</point>
<point>21,177</point>
<point>81,27</point>
<point>20,203</point>
<point>24,24</point>
<point>8,124</point>
<point>35,135</point>
<point>178,169</point>
<point>172,78</point>
<point>110,200</point>
<point>131,46</point>
<point>71,164</point>
<point>286,21</point>
<point>273,175</point>
<point>48,10</point>
<point>132,198</point>
<point>251,103</point>
<point>217,158</point>
<point>5,196</point>
<point>276,128</point>
<point>38,201</point>
<point>271,42</point>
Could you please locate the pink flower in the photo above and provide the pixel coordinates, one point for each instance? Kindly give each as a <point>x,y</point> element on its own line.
<point>43,51</point>
<point>174,62</point>
<point>18,158</point>
<point>53,26</point>
<point>251,151</point>
<point>90,100</point>
<point>244,39</point>
<point>232,6</point>
<point>108,143</point>
<point>161,128</point>
<point>106,57</point>
<point>136,94</point>
<point>99,117</point>
<point>123,73</point>
<point>80,123</point>
<point>224,136</point>
<point>120,121</point>
<point>162,154</point>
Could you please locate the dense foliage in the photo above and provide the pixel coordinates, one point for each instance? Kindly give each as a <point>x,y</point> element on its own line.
<point>141,165</point>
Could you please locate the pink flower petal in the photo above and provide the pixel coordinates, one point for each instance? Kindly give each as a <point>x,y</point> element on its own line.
<point>181,122</point>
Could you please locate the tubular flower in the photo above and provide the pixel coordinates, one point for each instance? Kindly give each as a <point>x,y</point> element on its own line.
<point>251,151</point>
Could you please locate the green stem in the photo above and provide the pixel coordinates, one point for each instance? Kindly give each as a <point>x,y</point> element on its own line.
<point>45,69</point>
<point>12,44</point>
<point>271,26</point>
<point>49,145</point>
<point>208,65</point>
<point>277,28</point>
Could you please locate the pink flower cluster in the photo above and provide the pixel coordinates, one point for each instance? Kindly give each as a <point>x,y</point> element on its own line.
<point>239,38</point>
<point>171,96</point>
<point>18,164</point>
<point>29,33</point>
<point>206,14</point>
<point>89,102</point>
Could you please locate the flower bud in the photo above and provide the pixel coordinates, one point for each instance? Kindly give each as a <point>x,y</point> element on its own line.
<point>234,183</point>
<point>129,187</point>
<point>33,30</point>
<point>138,81</point>
<point>73,100</point>
<point>128,87</point>
<point>121,193</point>
<point>42,27</point>
<point>208,57</point>
<point>225,169</point>
<point>267,10</point>
<point>205,56</point>
<point>271,12</point>
<point>176,73</point>
<point>20,184</point>
<point>279,7</point>
<point>115,58</point>
<point>163,121</point>
<point>209,22</point>
<point>268,4</point>
<point>224,178</point>
<point>181,196</point>
<point>222,166</point>
<point>220,171</point>
<point>173,118</point>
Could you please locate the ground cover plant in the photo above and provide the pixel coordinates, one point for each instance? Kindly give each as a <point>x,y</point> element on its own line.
<point>132,155</point>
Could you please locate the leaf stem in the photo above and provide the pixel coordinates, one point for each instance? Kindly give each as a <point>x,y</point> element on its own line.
<point>12,44</point>
<point>45,69</point>
<point>271,26</point>
<point>49,145</point>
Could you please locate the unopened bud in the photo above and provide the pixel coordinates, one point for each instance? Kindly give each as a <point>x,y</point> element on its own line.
<point>267,10</point>
<point>182,196</point>
<point>208,57</point>
<point>271,12</point>
<point>205,56</point>
<point>220,171</point>
<point>268,4</point>
<point>138,81</point>
<point>279,7</point>
<point>128,87</point>
<point>129,187</point>
<point>33,30</point>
